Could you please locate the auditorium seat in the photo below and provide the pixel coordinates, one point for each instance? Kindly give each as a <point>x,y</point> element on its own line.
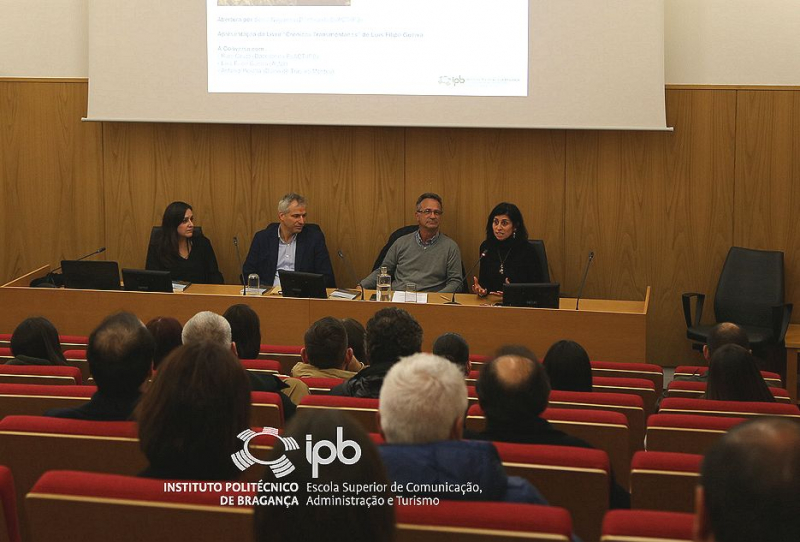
<point>605,430</point>
<point>708,407</point>
<point>642,387</point>
<point>268,366</point>
<point>686,433</point>
<point>34,400</point>
<point>472,377</point>
<point>362,409</point>
<point>90,507</point>
<point>5,340</point>
<point>647,526</point>
<point>77,358</point>
<point>632,406</point>
<point>5,354</point>
<point>772,379</point>
<point>557,471</point>
<point>48,375</point>
<point>266,409</point>
<point>288,356</point>
<point>648,371</point>
<point>664,481</point>
<point>321,386</point>
<point>73,341</point>
<point>696,390</point>
<point>32,445</point>
<point>472,395</point>
<point>457,521</point>
<point>9,522</point>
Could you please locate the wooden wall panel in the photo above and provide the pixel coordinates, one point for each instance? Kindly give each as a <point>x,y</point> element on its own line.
<point>768,179</point>
<point>51,206</point>
<point>473,170</point>
<point>659,209</point>
<point>351,177</point>
<point>147,166</point>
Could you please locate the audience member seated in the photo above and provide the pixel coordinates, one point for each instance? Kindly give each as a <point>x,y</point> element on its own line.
<point>120,356</point>
<point>35,342</point>
<point>355,338</point>
<point>750,485</point>
<point>167,333</point>
<point>392,333</point>
<point>453,347</point>
<point>209,326</point>
<point>568,367</point>
<point>421,415</point>
<point>734,376</point>
<point>245,330</point>
<point>190,418</point>
<point>246,335</point>
<point>326,354</point>
<point>327,520</point>
<point>513,392</point>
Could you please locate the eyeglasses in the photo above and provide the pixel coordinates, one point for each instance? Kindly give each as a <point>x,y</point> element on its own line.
<point>437,212</point>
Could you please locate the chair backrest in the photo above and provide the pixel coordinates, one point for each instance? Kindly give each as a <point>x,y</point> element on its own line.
<point>32,445</point>
<point>362,409</point>
<point>696,390</point>
<point>686,433</point>
<point>541,259</point>
<point>556,471</point>
<point>9,522</point>
<point>34,400</point>
<point>750,285</point>
<point>605,430</point>
<point>664,481</point>
<point>457,521</point>
<point>85,506</point>
<point>631,406</point>
<point>649,371</point>
<point>642,387</point>
<point>55,375</point>
<point>5,354</point>
<point>647,526</point>
<point>77,358</point>
<point>743,409</point>
<point>396,234</point>
<point>321,386</point>
<point>772,379</point>
<point>266,409</point>
<point>288,356</point>
<point>73,341</point>
<point>262,366</point>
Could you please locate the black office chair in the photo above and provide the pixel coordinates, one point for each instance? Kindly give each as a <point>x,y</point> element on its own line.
<point>396,234</point>
<point>541,257</point>
<point>750,293</point>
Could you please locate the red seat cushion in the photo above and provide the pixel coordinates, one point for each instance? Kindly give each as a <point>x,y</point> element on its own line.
<point>44,370</point>
<point>648,524</point>
<point>666,461</point>
<point>55,391</point>
<point>8,497</point>
<point>66,426</point>
<point>279,349</point>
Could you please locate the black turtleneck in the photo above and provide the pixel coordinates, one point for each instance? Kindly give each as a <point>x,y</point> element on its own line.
<point>519,259</point>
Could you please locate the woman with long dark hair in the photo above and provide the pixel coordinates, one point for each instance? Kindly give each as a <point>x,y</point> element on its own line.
<point>734,376</point>
<point>568,367</point>
<point>509,257</point>
<point>35,342</point>
<point>187,255</point>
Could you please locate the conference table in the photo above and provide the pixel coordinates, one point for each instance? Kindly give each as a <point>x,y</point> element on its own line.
<point>610,330</point>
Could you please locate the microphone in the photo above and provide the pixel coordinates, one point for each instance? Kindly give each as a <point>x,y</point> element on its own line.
<point>241,268</point>
<point>482,256</point>
<point>583,281</point>
<point>351,271</point>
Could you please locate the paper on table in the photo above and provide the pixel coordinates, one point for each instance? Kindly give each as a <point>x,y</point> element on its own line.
<point>400,297</point>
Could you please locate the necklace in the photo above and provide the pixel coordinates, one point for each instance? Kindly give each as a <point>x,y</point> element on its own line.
<point>503,260</point>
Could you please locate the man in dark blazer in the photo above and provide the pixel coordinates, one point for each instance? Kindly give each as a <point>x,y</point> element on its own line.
<point>290,244</point>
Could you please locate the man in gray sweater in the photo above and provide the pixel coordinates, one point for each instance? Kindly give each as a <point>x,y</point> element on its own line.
<point>426,257</point>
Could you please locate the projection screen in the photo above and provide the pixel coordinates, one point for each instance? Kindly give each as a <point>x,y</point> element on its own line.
<point>582,64</point>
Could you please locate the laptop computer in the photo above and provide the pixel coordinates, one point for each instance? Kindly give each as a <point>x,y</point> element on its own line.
<point>143,280</point>
<point>540,295</point>
<point>85,275</point>
<point>299,284</point>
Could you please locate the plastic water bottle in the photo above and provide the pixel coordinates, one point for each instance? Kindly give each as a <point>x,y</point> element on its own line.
<point>384,284</point>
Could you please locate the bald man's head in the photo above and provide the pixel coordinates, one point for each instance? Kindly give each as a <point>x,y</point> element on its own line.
<point>511,388</point>
<point>722,334</point>
<point>751,484</point>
